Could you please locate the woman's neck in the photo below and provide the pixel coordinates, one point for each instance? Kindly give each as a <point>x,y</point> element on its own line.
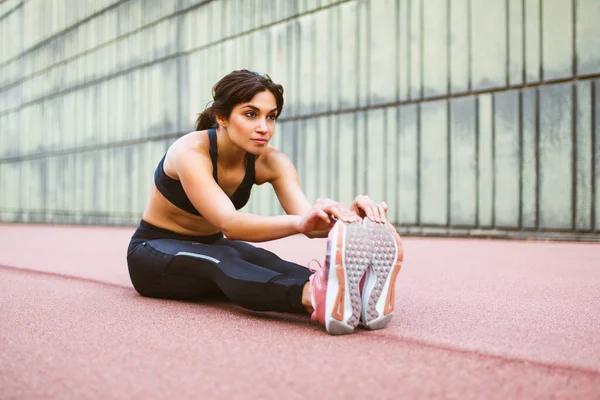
<point>230,154</point>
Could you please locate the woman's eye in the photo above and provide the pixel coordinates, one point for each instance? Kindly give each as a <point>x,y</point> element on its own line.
<point>273,117</point>
<point>250,114</point>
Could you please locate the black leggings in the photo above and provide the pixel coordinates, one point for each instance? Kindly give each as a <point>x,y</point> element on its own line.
<point>164,264</point>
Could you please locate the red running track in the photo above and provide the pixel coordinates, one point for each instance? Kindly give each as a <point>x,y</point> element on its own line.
<point>474,319</point>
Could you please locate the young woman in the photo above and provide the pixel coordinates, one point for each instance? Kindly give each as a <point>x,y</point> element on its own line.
<point>192,240</point>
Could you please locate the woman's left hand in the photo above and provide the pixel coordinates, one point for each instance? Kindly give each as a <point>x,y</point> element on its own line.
<point>365,207</point>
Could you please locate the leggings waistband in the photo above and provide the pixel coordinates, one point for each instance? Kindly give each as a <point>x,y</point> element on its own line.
<point>147,231</point>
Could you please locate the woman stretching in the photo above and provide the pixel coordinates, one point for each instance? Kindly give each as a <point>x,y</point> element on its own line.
<point>191,241</point>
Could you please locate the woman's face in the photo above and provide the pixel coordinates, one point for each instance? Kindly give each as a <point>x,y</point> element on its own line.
<point>252,124</point>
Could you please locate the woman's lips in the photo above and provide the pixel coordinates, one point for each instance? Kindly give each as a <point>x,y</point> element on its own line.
<point>260,142</point>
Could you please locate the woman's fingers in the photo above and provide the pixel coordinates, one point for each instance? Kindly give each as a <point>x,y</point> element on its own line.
<point>374,211</point>
<point>324,216</point>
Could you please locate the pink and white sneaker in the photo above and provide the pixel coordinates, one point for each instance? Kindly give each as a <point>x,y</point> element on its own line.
<point>334,289</point>
<point>378,293</point>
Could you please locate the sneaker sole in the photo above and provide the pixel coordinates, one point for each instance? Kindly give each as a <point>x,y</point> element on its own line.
<point>349,255</point>
<point>380,283</point>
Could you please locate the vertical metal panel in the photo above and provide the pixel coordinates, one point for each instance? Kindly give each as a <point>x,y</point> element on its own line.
<point>515,42</point>
<point>204,25</point>
<point>529,121</point>
<point>557,41</point>
<point>299,149</point>
<point>408,154</point>
<point>282,10</point>
<point>391,162</point>
<point>435,47</point>
<point>555,152</point>
<point>433,164</point>
<point>345,151</point>
<point>312,4</point>
<point>485,161</point>
<point>41,172</point>
<point>144,176</point>
<point>82,183</point>
<point>334,127</point>
<point>488,38</point>
<point>170,108</point>
<point>4,136</point>
<point>138,116</point>
<point>25,188</point>
<point>587,36</point>
<point>596,158</point>
<point>416,55</point>
<point>15,179</point>
<point>459,46</point>
<point>507,159</point>
<point>333,59</point>
<point>5,193</point>
<point>322,72</point>
<point>361,172</point>
<point>293,51</point>
<point>349,54</point>
<point>376,141</point>
<point>403,51</point>
<point>126,183</point>
<point>311,166</point>
<point>52,184</point>
<point>69,201</point>
<point>90,106</point>
<point>279,58</point>
<point>190,28</point>
<point>463,161</point>
<point>78,115</point>
<point>59,172</point>
<point>306,78</point>
<point>112,187</point>
<point>382,66</point>
<point>364,51</point>
<point>261,42</point>
<point>199,93</point>
<point>101,182</point>
<point>246,10</point>
<point>323,155</point>
<point>33,181</point>
<point>289,144</point>
<point>584,156</point>
<point>533,58</point>
<point>269,11</point>
<point>69,136</point>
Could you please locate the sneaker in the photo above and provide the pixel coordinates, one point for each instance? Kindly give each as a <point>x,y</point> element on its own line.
<point>378,293</point>
<point>334,289</point>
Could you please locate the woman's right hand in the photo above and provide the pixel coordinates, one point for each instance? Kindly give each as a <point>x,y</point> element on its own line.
<point>323,215</point>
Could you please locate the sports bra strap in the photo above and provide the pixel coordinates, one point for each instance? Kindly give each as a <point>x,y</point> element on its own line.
<point>250,173</point>
<point>212,137</point>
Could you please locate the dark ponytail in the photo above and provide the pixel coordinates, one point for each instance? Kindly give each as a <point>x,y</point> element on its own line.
<point>206,119</point>
<point>235,88</point>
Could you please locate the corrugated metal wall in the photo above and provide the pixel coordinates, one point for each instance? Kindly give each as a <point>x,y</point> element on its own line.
<point>477,117</point>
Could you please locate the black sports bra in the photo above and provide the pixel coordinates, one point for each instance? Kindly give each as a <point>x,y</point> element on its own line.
<point>173,190</point>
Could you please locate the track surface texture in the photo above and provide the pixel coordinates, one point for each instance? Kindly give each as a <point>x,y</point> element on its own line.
<point>473,319</point>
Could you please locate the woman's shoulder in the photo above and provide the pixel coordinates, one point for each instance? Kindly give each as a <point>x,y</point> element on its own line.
<point>271,164</point>
<point>191,144</point>
<point>272,157</point>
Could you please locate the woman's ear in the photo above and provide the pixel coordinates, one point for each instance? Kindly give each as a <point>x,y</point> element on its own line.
<point>221,121</point>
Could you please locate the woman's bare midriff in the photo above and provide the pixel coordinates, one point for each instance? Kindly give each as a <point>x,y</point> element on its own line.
<point>161,213</point>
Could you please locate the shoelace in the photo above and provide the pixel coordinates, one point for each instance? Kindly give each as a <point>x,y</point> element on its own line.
<point>315,269</point>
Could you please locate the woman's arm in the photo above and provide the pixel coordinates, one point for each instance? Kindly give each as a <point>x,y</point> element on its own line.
<point>284,179</point>
<point>194,170</point>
